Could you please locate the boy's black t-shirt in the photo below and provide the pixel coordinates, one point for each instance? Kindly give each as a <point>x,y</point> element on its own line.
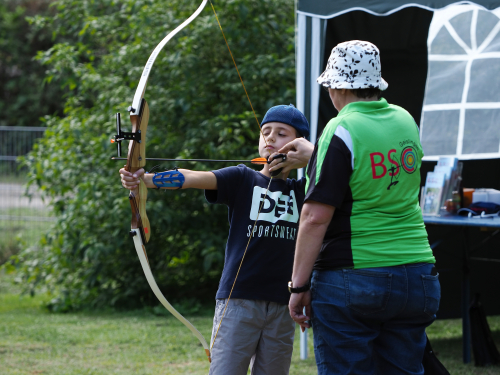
<point>268,263</point>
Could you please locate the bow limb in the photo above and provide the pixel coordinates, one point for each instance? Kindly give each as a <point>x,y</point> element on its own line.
<point>141,88</point>
<point>141,252</point>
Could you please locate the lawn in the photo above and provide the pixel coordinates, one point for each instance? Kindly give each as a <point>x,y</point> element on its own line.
<point>34,341</point>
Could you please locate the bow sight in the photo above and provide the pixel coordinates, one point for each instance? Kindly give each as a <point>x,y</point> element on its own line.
<point>121,136</point>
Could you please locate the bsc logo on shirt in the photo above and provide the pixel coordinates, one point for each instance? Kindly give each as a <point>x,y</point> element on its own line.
<point>407,161</point>
<point>277,206</point>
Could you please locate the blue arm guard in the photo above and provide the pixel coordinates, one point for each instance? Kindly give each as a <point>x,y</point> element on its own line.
<point>169,179</point>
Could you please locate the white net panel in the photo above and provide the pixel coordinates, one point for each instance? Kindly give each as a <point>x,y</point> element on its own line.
<point>461,113</point>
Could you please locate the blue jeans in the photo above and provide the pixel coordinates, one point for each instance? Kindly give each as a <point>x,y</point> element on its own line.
<point>373,320</point>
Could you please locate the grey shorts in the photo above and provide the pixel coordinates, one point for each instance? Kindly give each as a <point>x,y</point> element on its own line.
<point>253,333</point>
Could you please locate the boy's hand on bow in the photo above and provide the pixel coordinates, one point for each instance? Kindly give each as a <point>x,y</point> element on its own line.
<point>130,180</point>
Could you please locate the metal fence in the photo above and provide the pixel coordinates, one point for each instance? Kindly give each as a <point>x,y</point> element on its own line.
<point>23,214</point>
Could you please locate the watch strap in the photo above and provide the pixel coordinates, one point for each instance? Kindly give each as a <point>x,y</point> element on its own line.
<point>301,289</point>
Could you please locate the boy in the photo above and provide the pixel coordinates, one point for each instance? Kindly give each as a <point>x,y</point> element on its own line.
<point>254,324</point>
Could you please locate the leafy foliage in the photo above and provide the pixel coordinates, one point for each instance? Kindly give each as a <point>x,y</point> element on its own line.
<point>198,110</point>
<point>24,96</point>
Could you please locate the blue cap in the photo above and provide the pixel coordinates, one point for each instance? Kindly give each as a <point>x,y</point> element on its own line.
<point>288,114</point>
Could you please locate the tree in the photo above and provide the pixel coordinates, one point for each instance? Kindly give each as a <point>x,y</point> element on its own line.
<point>198,110</point>
<point>24,97</point>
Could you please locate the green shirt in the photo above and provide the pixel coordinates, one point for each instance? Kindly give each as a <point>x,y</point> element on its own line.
<point>367,165</point>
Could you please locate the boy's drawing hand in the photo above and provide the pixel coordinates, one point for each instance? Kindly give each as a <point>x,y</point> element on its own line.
<point>298,152</point>
<point>296,306</point>
<point>131,180</point>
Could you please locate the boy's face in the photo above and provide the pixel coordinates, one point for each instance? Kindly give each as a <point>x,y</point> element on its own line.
<point>276,135</point>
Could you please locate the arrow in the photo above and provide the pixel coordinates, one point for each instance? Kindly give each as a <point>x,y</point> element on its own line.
<point>260,161</point>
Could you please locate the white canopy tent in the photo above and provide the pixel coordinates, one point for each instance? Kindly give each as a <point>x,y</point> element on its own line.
<point>461,105</point>
<point>461,112</point>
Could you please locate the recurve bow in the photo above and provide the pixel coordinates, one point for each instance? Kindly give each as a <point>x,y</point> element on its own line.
<point>136,159</point>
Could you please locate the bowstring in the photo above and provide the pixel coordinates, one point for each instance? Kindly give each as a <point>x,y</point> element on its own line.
<point>241,263</point>
<point>267,190</point>
<point>239,75</point>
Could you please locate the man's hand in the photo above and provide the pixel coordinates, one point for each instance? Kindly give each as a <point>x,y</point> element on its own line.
<point>296,306</point>
<point>298,152</point>
<point>131,181</point>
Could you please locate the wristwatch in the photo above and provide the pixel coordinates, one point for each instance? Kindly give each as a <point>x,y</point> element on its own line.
<point>302,289</point>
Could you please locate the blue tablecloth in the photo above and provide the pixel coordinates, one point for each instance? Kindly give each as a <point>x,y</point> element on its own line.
<point>463,221</point>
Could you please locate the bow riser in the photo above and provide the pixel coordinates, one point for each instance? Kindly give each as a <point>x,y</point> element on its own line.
<point>140,219</point>
<point>137,150</point>
<point>135,161</point>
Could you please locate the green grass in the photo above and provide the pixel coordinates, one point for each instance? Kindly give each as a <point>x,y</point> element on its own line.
<point>34,341</point>
<point>26,211</point>
<point>446,340</point>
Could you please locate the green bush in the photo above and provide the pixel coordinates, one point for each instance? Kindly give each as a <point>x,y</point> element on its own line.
<point>198,110</point>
